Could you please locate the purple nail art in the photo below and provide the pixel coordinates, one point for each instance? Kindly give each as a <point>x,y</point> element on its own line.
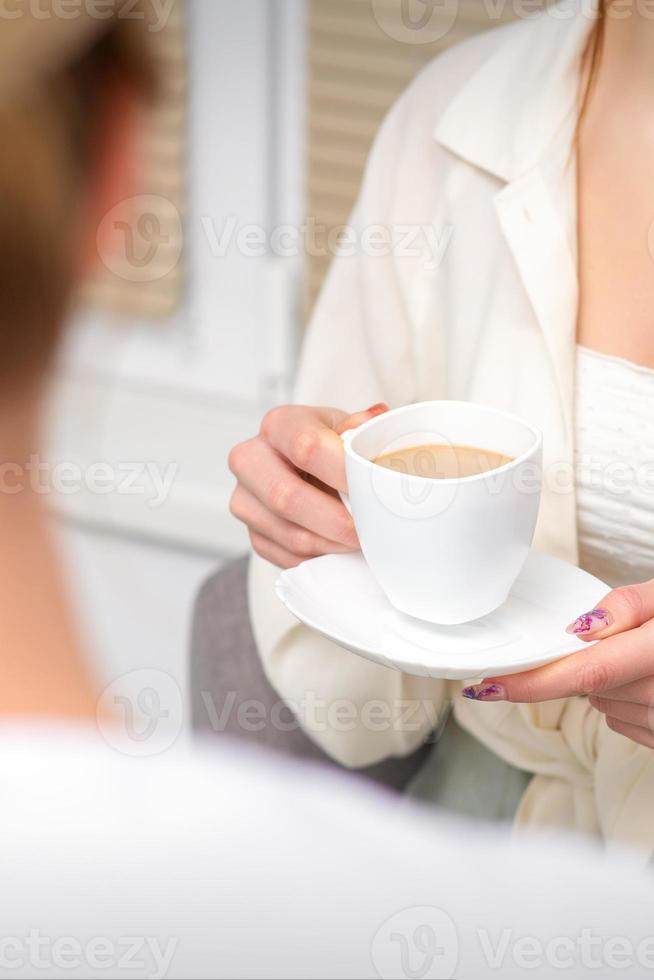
<point>590,622</point>
<point>485,692</point>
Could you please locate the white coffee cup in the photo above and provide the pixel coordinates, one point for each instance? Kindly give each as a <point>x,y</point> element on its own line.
<point>445,550</point>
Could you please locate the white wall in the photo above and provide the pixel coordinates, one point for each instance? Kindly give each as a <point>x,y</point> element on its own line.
<point>179,394</point>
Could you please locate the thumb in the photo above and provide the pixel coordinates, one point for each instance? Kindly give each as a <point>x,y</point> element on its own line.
<point>622,609</point>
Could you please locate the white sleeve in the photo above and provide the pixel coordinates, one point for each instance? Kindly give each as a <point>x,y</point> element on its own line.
<point>359,350</point>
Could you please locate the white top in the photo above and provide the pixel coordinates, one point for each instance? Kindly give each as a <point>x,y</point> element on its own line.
<point>614,463</point>
<point>225,863</point>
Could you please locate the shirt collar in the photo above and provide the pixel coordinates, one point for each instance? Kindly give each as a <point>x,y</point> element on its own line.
<point>514,105</point>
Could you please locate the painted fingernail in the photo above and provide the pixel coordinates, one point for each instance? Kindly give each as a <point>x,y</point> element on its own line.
<point>485,692</point>
<point>590,622</point>
<point>377,409</point>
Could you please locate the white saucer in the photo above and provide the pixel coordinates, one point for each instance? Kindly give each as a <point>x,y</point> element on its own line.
<point>337,596</point>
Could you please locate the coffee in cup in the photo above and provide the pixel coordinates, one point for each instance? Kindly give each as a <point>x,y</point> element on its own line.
<point>442,462</point>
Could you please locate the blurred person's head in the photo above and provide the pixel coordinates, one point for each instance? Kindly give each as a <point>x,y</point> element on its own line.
<point>69,98</point>
<point>69,90</point>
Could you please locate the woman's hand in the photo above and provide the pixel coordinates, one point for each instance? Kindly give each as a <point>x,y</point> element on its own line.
<point>617,674</point>
<point>288,480</point>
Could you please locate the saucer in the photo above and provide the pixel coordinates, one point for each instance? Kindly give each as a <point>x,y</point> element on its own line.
<point>336,596</point>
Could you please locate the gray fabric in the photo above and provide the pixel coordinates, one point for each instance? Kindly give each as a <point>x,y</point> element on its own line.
<point>465,777</point>
<point>231,694</point>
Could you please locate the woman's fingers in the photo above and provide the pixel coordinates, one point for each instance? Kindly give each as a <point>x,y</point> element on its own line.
<point>272,552</point>
<point>295,540</point>
<point>628,712</point>
<point>617,673</point>
<point>310,438</point>
<point>620,610</point>
<point>307,438</point>
<point>634,732</point>
<point>287,482</point>
<point>638,692</point>
<point>270,479</point>
<point>613,662</point>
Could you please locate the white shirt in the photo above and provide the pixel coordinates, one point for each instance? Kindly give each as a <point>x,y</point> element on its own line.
<point>478,154</point>
<point>220,863</point>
